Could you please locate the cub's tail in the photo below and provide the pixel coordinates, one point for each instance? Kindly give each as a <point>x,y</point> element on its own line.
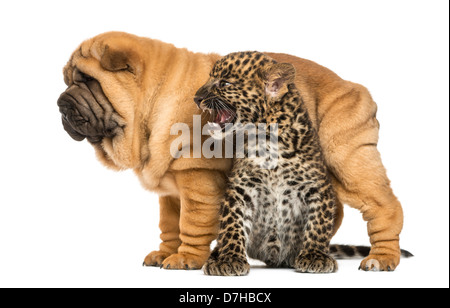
<point>356,252</point>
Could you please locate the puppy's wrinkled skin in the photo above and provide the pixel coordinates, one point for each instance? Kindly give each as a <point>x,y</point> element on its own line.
<point>124,94</point>
<point>87,112</point>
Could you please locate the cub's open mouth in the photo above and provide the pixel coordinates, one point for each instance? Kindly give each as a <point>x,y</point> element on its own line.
<point>220,113</point>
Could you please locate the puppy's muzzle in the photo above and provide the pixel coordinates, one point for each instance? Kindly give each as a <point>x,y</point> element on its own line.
<point>87,113</point>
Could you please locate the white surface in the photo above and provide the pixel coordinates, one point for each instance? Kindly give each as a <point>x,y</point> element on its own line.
<point>65,220</point>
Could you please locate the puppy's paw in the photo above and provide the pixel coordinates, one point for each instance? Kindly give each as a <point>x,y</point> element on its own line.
<point>183,261</point>
<point>380,263</point>
<point>155,258</point>
<point>315,262</point>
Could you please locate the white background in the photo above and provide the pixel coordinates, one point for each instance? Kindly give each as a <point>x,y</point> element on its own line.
<point>66,221</point>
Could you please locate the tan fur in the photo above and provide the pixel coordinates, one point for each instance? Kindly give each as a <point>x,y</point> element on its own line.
<point>151,85</point>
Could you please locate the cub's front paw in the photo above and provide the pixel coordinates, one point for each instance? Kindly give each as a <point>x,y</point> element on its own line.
<point>315,262</point>
<point>227,266</point>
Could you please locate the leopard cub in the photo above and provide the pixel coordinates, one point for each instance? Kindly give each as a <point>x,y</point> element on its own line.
<point>283,214</point>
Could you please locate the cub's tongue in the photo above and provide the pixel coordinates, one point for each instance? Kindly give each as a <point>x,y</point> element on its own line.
<point>223,116</point>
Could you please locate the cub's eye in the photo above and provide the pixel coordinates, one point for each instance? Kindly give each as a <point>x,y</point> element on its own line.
<point>224,83</point>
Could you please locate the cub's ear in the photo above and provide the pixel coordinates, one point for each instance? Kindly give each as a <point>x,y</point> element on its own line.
<point>277,77</point>
<point>121,60</point>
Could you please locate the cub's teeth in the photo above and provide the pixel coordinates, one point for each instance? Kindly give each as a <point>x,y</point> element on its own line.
<point>213,124</point>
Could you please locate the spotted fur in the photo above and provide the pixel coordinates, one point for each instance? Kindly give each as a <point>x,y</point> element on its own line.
<point>284,215</point>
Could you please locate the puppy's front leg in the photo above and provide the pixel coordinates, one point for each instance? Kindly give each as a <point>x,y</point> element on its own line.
<point>169,223</point>
<point>200,195</point>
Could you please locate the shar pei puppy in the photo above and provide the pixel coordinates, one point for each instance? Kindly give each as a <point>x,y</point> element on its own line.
<point>126,92</point>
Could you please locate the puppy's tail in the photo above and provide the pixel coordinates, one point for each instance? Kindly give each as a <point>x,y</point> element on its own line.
<point>357,252</point>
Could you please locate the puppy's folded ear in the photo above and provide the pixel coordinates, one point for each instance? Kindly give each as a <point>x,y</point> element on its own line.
<point>121,60</point>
